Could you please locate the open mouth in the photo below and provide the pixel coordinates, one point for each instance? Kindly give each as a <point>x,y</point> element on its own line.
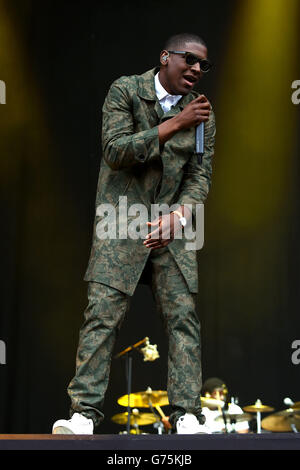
<point>189,80</point>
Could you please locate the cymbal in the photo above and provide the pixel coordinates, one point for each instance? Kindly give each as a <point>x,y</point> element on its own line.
<point>144,399</point>
<point>211,402</point>
<point>141,419</point>
<point>296,406</point>
<point>160,397</point>
<point>280,421</point>
<point>234,417</point>
<point>288,412</point>
<point>258,407</point>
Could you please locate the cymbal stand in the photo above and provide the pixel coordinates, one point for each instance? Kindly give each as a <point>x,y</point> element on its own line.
<point>222,412</point>
<point>128,355</point>
<point>158,424</point>
<point>292,423</point>
<point>129,380</point>
<point>134,425</point>
<point>258,421</point>
<point>233,424</point>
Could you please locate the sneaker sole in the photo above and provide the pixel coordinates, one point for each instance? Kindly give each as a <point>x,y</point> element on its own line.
<point>62,430</point>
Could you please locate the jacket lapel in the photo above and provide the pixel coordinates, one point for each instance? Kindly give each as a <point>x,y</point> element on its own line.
<point>146,90</point>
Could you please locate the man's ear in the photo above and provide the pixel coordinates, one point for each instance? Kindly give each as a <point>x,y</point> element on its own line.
<point>164,57</point>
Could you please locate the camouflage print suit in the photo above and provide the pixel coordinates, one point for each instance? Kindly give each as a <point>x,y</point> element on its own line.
<point>136,166</point>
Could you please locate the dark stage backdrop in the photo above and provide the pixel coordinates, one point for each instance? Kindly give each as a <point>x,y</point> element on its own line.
<point>57,61</point>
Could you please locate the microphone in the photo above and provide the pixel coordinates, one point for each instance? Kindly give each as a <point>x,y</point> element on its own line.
<point>200,142</point>
<point>149,352</point>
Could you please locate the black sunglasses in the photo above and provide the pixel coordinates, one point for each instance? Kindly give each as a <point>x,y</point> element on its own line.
<point>192,59</point>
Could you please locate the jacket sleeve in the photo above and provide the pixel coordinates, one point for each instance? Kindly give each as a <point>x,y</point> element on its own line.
<point>197,178</point>
<point>122,147</point>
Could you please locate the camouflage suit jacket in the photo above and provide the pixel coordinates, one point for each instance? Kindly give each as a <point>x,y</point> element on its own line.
<point>135,169</point>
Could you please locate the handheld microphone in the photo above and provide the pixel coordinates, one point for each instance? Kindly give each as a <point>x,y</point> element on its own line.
<point>199,137</point>
<point>149,352</point>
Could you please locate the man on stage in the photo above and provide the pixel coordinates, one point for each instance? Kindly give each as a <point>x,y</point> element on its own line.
<point>148,140</point>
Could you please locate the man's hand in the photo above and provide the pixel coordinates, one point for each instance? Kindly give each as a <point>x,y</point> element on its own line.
<point>166,226</point>
<point>166,423</point>
<point>194,113</point>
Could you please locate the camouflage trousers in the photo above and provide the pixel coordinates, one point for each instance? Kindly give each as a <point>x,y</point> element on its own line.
<point>102,319</point>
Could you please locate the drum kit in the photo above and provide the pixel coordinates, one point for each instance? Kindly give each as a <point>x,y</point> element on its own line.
<point>282,421</point>
<point>154,400</point>
<point>287,420</point>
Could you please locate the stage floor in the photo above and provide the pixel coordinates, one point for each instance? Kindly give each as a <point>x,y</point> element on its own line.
<point>155,442</point>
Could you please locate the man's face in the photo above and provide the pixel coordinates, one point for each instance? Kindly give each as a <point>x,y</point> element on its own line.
<point>219,394</point>
<point>176,76</point>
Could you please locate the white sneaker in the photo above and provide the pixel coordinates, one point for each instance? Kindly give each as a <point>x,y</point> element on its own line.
<point>78,424</point>
<point>188,424</point>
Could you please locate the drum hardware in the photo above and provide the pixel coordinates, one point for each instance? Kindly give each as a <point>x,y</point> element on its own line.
<point>150,354</point>
<point>291,404</point>
<point>136,418</point>
<point>155,399</point>
<point>149,398</point>
<point>221,410</point>
<point>258,408</point>
<point>234,418</point>
<point>159,426</point>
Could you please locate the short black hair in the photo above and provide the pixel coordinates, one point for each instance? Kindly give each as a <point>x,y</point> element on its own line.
<point>211,384</point>
<point>177,41</point>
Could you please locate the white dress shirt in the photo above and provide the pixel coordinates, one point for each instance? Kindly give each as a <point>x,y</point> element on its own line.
<point>165,99</point>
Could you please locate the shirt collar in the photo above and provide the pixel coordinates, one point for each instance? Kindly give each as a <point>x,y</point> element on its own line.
<point>146,89</point>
